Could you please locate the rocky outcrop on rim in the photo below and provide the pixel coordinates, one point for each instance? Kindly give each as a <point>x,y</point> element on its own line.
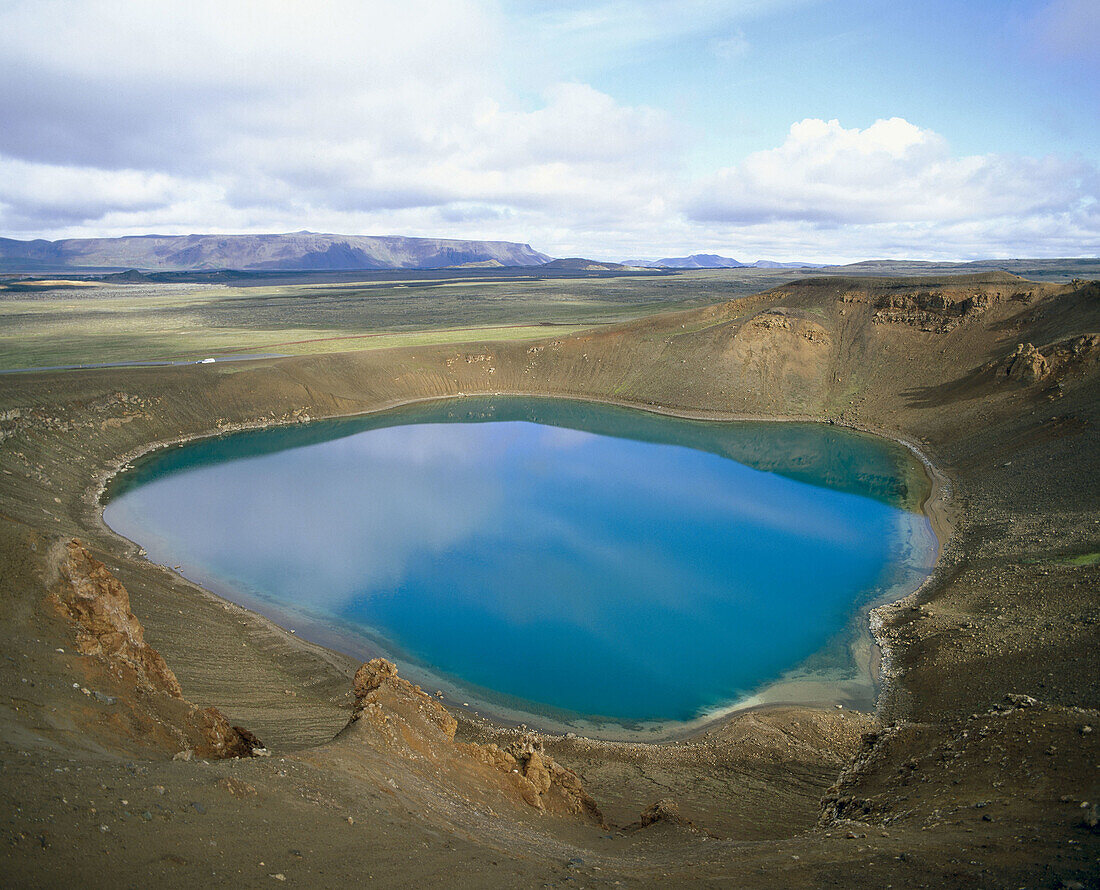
<point>399,716</point>
<point>129,675</point>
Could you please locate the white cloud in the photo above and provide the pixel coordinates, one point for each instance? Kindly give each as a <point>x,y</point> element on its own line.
<point>896,181</point>
<point>733,46</point>
<point>616,26</point>
<point>256,114</point>
<point>127,84</point>
<point>892,171</point>
<point>35,192</point>
<point>409,118</point>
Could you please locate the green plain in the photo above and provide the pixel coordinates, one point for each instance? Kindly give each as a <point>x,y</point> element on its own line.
<point>180,321</point>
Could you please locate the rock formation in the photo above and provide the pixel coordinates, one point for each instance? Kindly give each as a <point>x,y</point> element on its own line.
<point>97,606</point>
<point>391,710</point>
<point>662,811</point>
<point>1026,364</point>
<point>1029,364</point>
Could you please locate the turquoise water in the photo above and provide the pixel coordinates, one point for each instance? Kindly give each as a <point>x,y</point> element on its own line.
<point>545,555</point>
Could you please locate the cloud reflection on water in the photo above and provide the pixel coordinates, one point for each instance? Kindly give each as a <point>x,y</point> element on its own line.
<point>517,555</point>
<point>329,522</point>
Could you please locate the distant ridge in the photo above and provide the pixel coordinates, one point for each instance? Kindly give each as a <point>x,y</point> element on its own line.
<point>288,252</point>
<point>698,261</point>
<point>769,264</point>
<point>714,261</point>
<point>580,264</point>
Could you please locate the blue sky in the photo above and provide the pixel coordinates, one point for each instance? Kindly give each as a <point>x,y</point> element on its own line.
<point>987,75</point>
<point>781,129</point>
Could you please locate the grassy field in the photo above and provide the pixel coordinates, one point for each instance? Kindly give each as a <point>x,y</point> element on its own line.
<point>55,324</point>
<point>73,321</point>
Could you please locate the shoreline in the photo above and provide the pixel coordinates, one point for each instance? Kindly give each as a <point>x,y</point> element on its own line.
<point>873,671</point>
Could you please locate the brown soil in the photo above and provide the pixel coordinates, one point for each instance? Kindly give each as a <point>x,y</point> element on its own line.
<point>979,769</point>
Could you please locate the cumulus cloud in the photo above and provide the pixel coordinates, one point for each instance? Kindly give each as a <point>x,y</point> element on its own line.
<point>891,171</point>
<point>241,115</point>
<point>337,113</point>
<point>894,177</point>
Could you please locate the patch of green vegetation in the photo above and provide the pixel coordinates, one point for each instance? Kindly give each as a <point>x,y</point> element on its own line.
<point>180,321</point>
<point>89,346</point>
<point>1083,559</point>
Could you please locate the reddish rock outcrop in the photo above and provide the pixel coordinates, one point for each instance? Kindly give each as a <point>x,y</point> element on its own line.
<point>394,713</point>
<point>99,605</point>
<point>381,696</point>
<point>371,676</point>
<point>217,739</point>
<point>546,779</point>
<point>106,630</point>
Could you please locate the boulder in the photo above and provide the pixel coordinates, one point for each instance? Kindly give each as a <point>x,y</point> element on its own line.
<point>663,811</point>
<point>372,675</point>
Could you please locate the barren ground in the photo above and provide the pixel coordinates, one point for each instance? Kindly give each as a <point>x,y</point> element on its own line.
<point>980,767</point>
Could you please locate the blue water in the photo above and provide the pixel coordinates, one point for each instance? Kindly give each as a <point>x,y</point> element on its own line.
<point>579,558</point>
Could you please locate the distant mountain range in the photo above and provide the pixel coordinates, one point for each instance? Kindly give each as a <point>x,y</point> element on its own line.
<point>713,261</point>
<point>223,257</point>
<point>296,251</point>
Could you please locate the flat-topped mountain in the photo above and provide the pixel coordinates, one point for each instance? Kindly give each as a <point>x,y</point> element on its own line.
<point>294,251</point>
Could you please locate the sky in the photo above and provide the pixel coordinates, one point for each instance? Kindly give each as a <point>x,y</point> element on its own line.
<point>816,130</point>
